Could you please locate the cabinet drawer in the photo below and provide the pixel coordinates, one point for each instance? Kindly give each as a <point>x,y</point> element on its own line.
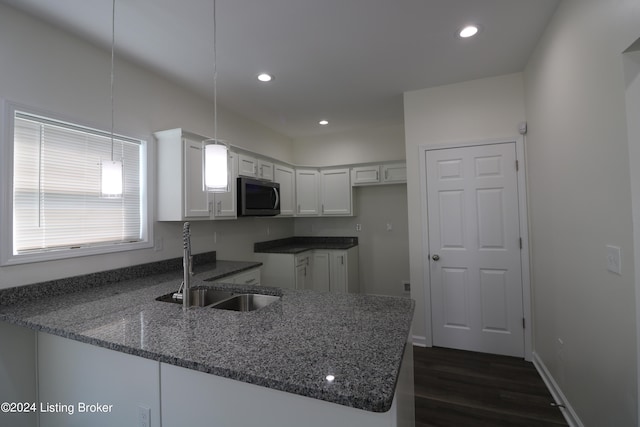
<point>251,277</point>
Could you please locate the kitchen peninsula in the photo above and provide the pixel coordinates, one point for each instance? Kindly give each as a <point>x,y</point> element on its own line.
<point>310,358</point>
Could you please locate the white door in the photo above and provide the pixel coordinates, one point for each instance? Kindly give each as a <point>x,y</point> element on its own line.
<point>474,245</point>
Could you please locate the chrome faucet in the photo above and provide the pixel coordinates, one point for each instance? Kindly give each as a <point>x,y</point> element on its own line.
<point>186,265</point>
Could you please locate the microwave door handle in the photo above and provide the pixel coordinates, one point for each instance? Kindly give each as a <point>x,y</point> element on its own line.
<point>275,191</point>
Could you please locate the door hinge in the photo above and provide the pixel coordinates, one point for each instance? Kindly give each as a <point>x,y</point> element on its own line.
<point>520,242</point>
<point>523,324</point>
<point>517,166</point>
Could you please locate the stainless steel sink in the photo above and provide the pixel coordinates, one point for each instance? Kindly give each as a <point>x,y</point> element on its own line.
<point>246,302</point>
<point>200,297</point>
<point>206,297</point>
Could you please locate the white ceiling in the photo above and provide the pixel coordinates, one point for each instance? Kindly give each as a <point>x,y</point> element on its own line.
<point>348,61</point>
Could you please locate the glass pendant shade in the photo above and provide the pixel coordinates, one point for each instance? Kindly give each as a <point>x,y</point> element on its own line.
<point>216,164</point>
<point>111,178</point>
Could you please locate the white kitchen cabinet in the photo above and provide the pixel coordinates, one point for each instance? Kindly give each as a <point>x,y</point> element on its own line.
<point>247,165</point>
<point>74,373</point>
<point>394,173</point>
<point>304,270</point>
<point>224,205</point>
<point>307,187</point>
<point>196,200</point>
<point>336,270</point>
<point>249,277</point>
<point>265,170</point>
<point>365,175</point>
<point>180,190</point>
<point>254,167</point>
<point>321,271</point>
<point>196,399</point>
<point>324,270</point>
<point>335,192</point>
<point>285,176</point>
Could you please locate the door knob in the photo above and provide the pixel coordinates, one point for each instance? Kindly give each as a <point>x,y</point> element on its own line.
<point>436,257</point>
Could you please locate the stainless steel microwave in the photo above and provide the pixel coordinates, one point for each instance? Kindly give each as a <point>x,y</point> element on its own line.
<point>258,198</point>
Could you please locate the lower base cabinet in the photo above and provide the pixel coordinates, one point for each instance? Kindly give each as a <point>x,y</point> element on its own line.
<point>249,277</point>
<point>323,270</point>
<point>117,389</point>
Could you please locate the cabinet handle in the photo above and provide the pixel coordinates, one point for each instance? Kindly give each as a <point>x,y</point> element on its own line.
<point>247,282</point>
<point>220,207</point>
<point>377,175</point>
<point>210,207</point>
<point>342,259</point>
<point>386,174</point>
<point>323,208</point>
<point>298,208</point>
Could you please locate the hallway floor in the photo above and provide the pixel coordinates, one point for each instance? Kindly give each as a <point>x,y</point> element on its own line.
<point>455,388</point>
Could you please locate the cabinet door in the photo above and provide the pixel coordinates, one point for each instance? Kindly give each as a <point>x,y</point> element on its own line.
<point>307,191</point>
<point>265,170</point>
<point>196,203</point>
<point>321,271</point>
<point>224,204</point>
<point>247,166</point>
<point>365,175</point>
<point>335,192</point>
<point>301,277</point>
<point>394,173</point>
<point>286,178</point>
<point>339,277</point>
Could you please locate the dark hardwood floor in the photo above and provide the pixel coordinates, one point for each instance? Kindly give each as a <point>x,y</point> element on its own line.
<point>455,388</point>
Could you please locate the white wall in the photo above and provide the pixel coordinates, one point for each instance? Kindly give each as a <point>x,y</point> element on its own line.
<point>580,201</point>
<point>376,144</point>
<point>48,69</point>
<point>476,110</point>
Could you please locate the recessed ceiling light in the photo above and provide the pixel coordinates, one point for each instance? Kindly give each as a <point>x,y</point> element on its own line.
<point>264,77</point>
<point>468,31</point>
<point>323,122</point>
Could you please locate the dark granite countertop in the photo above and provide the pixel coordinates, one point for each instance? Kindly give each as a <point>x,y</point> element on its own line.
<point>290,345</point>
<point>298,244</point>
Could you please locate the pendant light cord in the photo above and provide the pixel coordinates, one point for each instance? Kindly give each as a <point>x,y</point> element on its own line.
<point>215,76</point>
<point>113,42</point>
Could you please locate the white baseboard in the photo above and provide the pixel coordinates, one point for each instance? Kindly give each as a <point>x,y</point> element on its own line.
<point>557,394</point>
<point>419,341</point>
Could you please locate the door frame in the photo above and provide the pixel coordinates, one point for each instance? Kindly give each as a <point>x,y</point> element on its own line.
<point>524,232</point>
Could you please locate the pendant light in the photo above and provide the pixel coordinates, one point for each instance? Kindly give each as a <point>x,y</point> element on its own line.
<point>111,170</point>
<point>215,157</point>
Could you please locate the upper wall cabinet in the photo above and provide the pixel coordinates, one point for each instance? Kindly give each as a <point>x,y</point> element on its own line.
<point>335,192</point>
<point>254,167</point>
<point>386,173</point>
<point>307,185</point>
<point>285,176</point>
<point>365,175</point>
<point>181,195</point>
<point>394,173</point>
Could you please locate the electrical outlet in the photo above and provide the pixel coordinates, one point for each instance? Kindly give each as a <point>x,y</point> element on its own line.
<point>407,286</point>
<point>144,416</point>
<point>613,259</point>
<point>389,226</point>
<point>358,227</point>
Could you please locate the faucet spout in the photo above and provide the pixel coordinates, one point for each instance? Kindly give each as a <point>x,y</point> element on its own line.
<point>186,265</point>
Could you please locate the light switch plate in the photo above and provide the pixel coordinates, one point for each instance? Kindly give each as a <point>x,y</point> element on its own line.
<point>613,259</point>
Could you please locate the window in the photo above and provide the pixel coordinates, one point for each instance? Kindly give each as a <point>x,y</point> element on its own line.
<point>58,208</point>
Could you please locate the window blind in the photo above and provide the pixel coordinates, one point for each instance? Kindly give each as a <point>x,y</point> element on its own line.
<point>57,201</point>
